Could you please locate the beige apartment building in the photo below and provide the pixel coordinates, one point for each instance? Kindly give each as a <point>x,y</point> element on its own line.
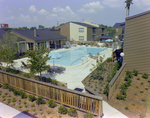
<point>120,27</point>
<point>77,31</point>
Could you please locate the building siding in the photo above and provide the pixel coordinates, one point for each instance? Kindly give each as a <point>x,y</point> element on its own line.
<point>74,32</point>
<point>137,43</point>
<point>65,30</point>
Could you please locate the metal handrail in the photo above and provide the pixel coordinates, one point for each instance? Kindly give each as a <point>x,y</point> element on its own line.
<point>79,59</point>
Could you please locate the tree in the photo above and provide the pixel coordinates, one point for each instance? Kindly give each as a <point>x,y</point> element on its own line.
<point>111,31</point>
<point>8,48</point>
<point>101,25</point>
<point>41,27</point>
<point>37,60</point>
<point>32,28</point>
<point>128,2</point>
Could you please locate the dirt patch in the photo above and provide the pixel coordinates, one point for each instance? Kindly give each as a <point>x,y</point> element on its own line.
<point>31,108</point>
<point>137,101</point>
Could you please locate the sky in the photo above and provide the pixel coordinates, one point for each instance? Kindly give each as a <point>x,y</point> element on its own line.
<point>28,13</point>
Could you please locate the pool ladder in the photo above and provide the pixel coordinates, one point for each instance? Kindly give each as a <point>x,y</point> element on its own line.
<point>79,59</point>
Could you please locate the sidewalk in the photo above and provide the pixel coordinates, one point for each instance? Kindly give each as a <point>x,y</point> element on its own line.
<point>9,112</point>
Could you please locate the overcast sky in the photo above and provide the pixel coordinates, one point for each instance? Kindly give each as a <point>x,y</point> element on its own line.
<point>19,13</point>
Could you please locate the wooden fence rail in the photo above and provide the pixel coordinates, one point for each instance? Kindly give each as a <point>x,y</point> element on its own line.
<point>81,101</point>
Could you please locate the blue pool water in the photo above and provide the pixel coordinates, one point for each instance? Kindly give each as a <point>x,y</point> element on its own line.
<point>71,57</point>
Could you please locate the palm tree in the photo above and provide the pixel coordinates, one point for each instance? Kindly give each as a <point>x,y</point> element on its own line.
<point>128,2</point>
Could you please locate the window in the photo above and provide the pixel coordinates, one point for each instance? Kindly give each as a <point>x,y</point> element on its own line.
<point>60,29</point>
<point>116,30</point>
<point>81,38</point>
<point>81,29</point>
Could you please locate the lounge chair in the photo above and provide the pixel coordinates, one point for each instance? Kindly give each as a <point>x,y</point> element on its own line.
<point>93,57</point>
<point>24,65</point>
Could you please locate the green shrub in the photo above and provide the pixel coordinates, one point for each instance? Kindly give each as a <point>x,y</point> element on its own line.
<point>48,112</point>
<point>52,103</point>
<point>121,97</point>
<point>143,100</point>
<point>109,59</point>
<point>40,100</point>
<point>8,101</point>
<point>141,91</point>
<point>129,74</point>
<point>6,93</point>
<point>26,75</point>
<point>4,99</point>
<point>32,98</point>
<point>146,88</point>
<point>0,92</point>
<point>148,81</point>
<point>11,88</point>
<point>5,86</point>
<point>23,95</point>
<point>127,78</point>
<point>0,85</point>
<point>14,100</point>
<point>20,106</point>
<point>106,89</point>
<point>142,83</point>
<point>126,108</point>
<point>88,115</point>
<point>16,92</point>
<point>145,75</point>
<point>62,110</point>
<point>54,82</point>
<point>72,112</point>
<point>135,72</point>
<point>138,78</point>
<point>32,105</point>
<point>24,102</point>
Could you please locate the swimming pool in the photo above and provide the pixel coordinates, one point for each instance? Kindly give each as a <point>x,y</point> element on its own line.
<point>72,57</point>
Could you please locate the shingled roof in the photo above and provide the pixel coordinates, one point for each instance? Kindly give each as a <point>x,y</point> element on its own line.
<point>2,32</point>
<point>119,25</point>
<point>41,34</point>
<point>84,24</point>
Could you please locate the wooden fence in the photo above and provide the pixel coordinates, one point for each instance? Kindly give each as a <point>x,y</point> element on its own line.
<point>115,81</point>
<point>81,101</point>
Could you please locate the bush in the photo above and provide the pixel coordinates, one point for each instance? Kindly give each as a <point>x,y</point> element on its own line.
<point>129,74</point>
<point>121,97</point>
<point>72,112</point>
<point>106,89</point>
<point>16,92</point>
<point>62,110</point>
<point>40,100</point>
<point>126,108</point>
<point>88,115</point>
<point>109,59</point>
<point>11,88</point>
<point>26,75</point>
<point>145,75</point>
<point>32,98</point>
<point>23,95</point>
<point>135,72</point>
<point>52,103</point>
<point>54,82</point>
<point>5,86</point>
